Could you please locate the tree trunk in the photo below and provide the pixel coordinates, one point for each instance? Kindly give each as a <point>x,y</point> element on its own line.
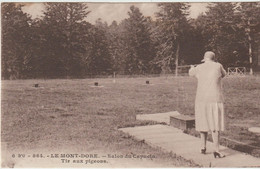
<point>250,59</point>
<point>177,59</point>
<point>250,49</point>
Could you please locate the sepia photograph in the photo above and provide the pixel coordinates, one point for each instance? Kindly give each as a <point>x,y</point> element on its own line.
<point>130,84</point>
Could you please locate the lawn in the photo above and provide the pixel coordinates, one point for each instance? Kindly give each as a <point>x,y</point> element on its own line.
<point>74,115</point>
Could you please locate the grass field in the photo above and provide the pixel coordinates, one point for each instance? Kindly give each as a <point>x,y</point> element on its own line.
<point>72,114</point>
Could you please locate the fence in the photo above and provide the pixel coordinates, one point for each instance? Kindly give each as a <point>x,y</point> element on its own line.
<point>237,71</point>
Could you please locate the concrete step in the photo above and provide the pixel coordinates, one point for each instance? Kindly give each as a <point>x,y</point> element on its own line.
<point>158,117</point>
<point>171,139</point>
<point>183,122</point>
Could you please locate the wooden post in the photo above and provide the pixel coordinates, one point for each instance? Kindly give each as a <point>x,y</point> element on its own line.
<point>114,80</point>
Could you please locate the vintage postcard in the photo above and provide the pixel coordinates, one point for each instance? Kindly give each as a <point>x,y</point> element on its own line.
<point>130,84</point>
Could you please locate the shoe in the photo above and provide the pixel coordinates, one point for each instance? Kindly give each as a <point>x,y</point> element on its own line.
<point>218,155</point>
<point>203,151</point>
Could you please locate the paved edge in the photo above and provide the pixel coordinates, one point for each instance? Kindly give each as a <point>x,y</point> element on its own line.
<point>173,140</point>
<point>158,117</point>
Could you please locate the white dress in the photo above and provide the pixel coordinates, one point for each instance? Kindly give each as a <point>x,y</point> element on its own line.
<point>209,108</point>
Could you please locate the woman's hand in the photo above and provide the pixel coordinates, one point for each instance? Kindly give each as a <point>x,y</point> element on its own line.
<point>192,71</point>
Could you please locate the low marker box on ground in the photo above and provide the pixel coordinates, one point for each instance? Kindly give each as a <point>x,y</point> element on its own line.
<point>254,130</point>
<point>183,122</point>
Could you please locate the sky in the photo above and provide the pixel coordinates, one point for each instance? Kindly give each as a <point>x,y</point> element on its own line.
<point>114,11</point>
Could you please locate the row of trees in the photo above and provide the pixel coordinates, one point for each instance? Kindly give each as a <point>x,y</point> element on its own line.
<point>63,44</point>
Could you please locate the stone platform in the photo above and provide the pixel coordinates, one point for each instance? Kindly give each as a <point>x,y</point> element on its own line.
<point>173,140</point>
<point>158,117</point>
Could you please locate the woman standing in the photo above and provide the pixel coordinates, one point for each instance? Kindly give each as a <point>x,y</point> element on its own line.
<point>209,108</point>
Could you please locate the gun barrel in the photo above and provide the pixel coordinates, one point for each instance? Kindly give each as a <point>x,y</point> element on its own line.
<point>188,65</point>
